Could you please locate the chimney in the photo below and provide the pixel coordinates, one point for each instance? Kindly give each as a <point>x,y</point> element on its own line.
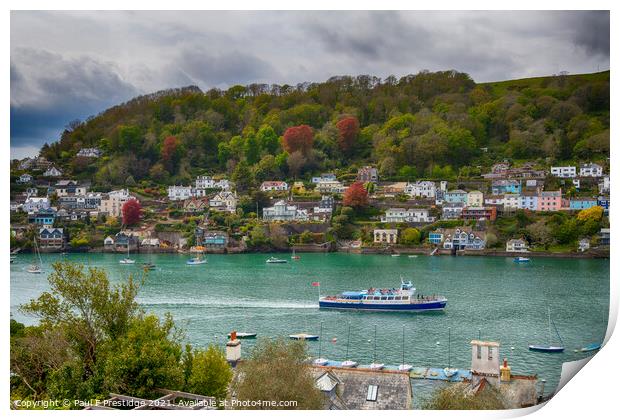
<point>504,372</point>
<point>233,349</point>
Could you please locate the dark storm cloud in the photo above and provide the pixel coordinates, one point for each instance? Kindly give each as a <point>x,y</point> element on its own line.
<point>67,65</point>
<point>593,32</point>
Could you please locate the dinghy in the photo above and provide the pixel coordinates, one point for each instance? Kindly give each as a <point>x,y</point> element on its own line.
<point>244,335</point>
<point>549,348</point>
<point>304,336</point>
<point>349,364</point>
<point>274,260</point>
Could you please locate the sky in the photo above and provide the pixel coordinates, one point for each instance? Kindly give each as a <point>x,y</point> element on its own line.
<point>68,65</point>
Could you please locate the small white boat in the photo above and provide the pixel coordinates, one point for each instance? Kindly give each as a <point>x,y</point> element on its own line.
<point>395,255</point>
<point>274,260</point>
<point>304,336</point>
<point>127,260</point>
<point>413,256</point>
<point>450,372</point>
<point>377,366</point>
<point>34,269</point>
<point>244,335</point>
<point>521,260</point>
<point>196,261</point>
<point>349,364</point>
<point>320,361</point>
<point>12,259</point>
<point>405,368</point>
<point>294,256</point>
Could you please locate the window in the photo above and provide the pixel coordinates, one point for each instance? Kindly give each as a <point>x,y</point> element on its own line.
<point>479,352</point>
<point>490,353</point>
<point>371,395</point>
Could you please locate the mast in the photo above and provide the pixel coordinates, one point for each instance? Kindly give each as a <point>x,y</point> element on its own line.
<point>449,348</point>
<point>375,343</point>
<point>403,344</point>
<point>348,339</point>
<point>549,333</point>
<point>320,341</point>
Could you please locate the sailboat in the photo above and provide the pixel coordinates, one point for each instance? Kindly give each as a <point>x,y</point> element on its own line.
<point>374,365</point>
<point>35,267</point>
<point>403,367</point>
<point>449,372</point>
<point>320,361</point>
<point>149,265</point>
<point>348,363</point>
<point>549,348</point>
<point>295,257</point>
<point>127,260</point>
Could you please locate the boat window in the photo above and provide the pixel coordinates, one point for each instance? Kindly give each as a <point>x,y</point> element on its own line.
<point>371,395</point>
<point>383,297</point>
<point>479,352</point>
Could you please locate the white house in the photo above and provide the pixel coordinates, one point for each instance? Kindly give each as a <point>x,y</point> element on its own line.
<point>112,202</point>
<point>330,187</point>
<point>180,192</point>
<point>603,187</point>
<point>34,204</point>
<point>323,177</point>
<point>512,201</point>
<point>385,236</point>
<point>421,189</point>
<point>401,215</point>
<point>89,152</point>
<point>516,245</point>
<point>207,182</point>
<point>475,199</point>
<point>53,172</point>
<point>494,200</point>
<point>274,186</point>
<point>281,211</point>
<point>108,241</point>
<point>25,179</point>
<point>564,171</point>
<point>224,201</point>
<point>591,170</point>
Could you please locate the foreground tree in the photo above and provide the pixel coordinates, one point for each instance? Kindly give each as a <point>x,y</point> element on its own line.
<point>277,371</point>
<point>460,397</point>
<point>210,373</point>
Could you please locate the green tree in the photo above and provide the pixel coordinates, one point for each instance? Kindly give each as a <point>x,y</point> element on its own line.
<point>268,139</point>
<point>210,373</point>
<point>277,370</point>
<point>410,236</point>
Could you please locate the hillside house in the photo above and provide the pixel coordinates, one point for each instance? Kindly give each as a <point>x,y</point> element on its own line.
<point>181,192</point>
<point>517,245</point>
<point>425,189</point>
<point>368,174</point>
<point>591,170</point>
<point>89,152</point>
<point>274,186</point>
<point>385,236</point>
<point>52,239</point>
<point>53,172</point>
<point>564,171</point>
<point>282,212</point>
<point>224,201</point>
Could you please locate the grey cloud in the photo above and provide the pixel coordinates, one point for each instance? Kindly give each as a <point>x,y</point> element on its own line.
<point>593,32</point>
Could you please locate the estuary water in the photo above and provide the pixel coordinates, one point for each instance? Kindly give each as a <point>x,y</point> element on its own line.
<point>488,297</point>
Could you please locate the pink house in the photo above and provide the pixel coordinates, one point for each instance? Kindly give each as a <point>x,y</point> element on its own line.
<point>549,201</point>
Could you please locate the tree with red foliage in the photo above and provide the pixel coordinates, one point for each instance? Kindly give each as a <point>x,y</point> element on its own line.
<point>169,152</point>
<point>355,196</point>
<point>299,138</point>
<point>132,211</point>
<point>348,130</point>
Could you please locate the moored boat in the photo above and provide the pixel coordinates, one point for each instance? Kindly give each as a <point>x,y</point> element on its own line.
<point>196,261</point>
<point>304,336</point>
<point>274,260</point>
<point>549,348</point>
<point>521,260</point>
<point>349,364</point>
<point>403,299</point>
<point>590,347</point>
<point>244,335</point>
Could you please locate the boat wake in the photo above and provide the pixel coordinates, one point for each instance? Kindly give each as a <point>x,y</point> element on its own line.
<point>220,303</point>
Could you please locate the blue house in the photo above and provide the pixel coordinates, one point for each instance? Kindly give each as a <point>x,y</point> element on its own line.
<point>456,196</point>
<point>506,186</point>
<point>603,202</point>
<point>435,238</point>
<point>43,217</point>
<point>582,203</point>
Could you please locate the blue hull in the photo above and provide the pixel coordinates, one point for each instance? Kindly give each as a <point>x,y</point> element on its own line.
<point>546,349</point>
<point>409,307</point>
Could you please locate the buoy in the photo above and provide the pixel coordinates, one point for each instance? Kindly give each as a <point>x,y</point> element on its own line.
<point>437,343</point>
<point>512,348</point>
<point>369,340</point>
<point>334,340</point>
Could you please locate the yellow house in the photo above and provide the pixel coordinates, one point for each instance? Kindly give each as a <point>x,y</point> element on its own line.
<point>475,199</point>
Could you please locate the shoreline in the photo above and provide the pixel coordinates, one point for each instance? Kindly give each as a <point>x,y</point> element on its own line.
<point>591,254</point>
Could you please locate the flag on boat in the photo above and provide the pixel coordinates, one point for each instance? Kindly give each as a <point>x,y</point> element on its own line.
<point>316,283</point>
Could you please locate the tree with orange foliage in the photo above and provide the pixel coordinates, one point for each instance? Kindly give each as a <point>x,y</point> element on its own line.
<point>132,212</point>
<point>355,196</point>
<point>348,130</point>
<point>169,152</point>
<point>298,138</point>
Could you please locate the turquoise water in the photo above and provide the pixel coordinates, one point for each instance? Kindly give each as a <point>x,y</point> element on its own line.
<point>487,296</point>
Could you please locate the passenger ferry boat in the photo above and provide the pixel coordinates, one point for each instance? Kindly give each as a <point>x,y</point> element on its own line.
<point>403,299</point>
